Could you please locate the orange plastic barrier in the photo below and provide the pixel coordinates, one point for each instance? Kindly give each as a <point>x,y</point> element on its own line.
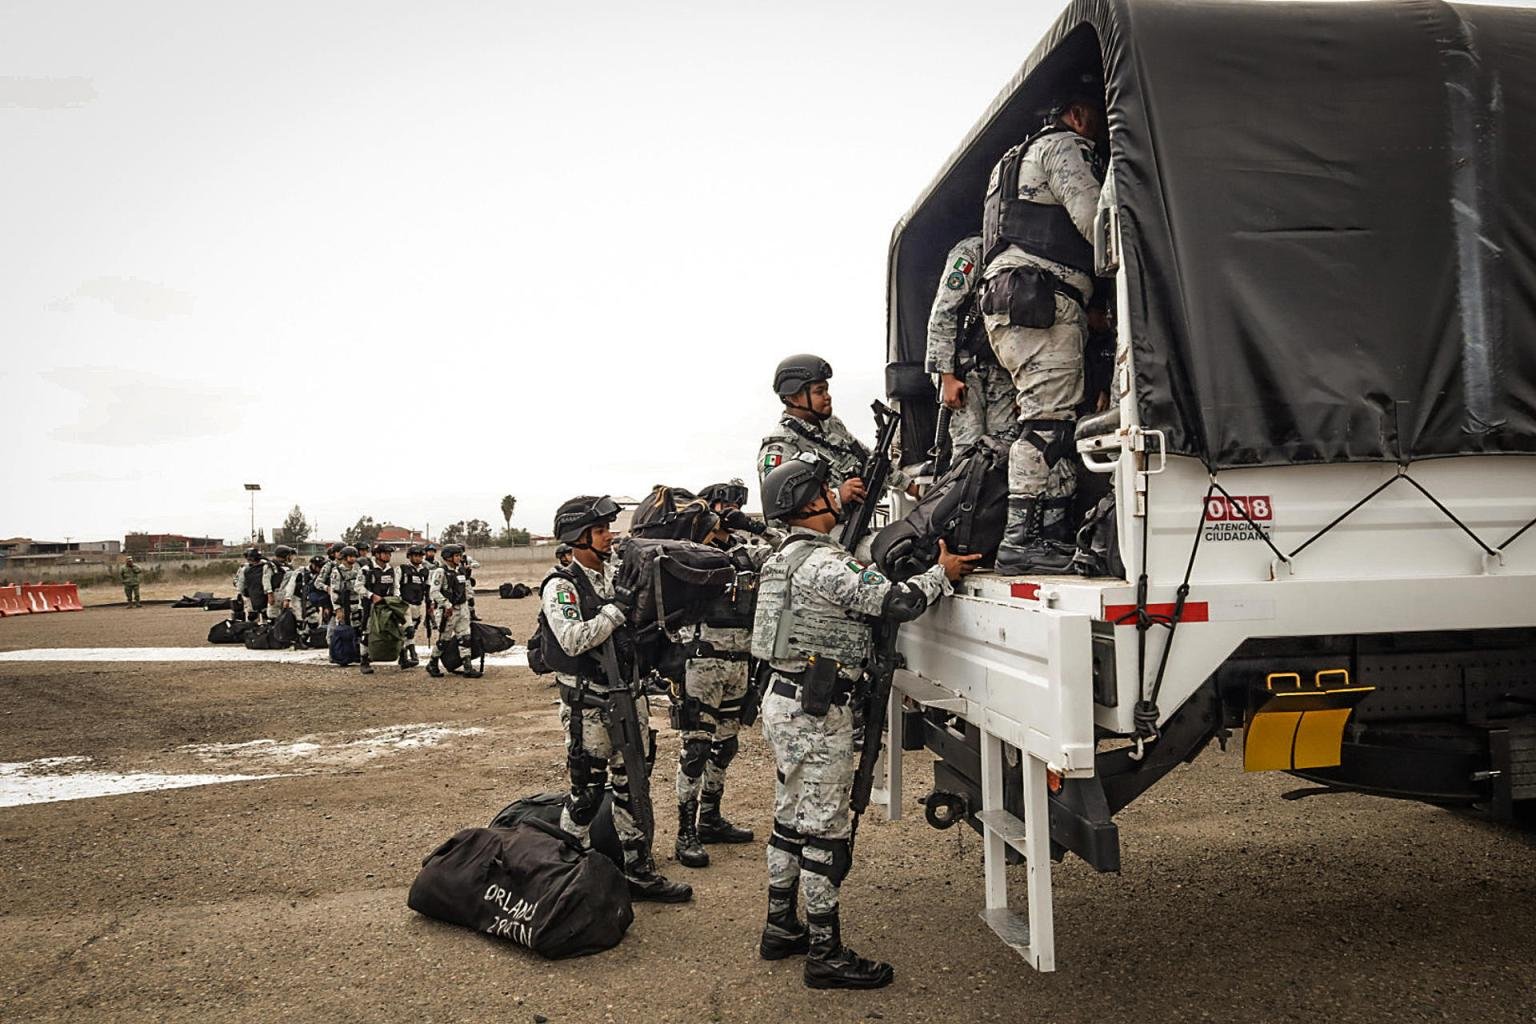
<point>68,597</point>
<point>52,597</point>
<point>13,601</point>
<point>37,600</point>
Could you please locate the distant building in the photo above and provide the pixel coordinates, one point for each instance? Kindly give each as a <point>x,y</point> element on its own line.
<point>392,534</point>
<point>17,553</point>
<point>176,543</point>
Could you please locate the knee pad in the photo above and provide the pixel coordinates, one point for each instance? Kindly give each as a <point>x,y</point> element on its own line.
<point>584,803</point>
<point>723,752</point>
<point>696,752</point>
<point>835,860</point>
<point>410,632</point>
<point>787,839</point>
<point>1053,438</point>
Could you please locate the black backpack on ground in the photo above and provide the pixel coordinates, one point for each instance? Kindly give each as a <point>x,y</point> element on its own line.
<point>343,644</point>
<point>313,636</point>
<point>513,591</point>
<point>230,631</point>
<point>967,507</point>
<point>220,604</point>
<point>285,630</point>
<point>531,884</point>
<point>259,637</point>
<point>546,807</point>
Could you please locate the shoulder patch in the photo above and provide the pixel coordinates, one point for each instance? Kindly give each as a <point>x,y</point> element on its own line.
<point>564,595</point>
<point>963,264</point>
<point>855,565</point>
<point>570,612</point>
<point>771,460</point>
<point>955,281</point>
<point>871,578</point>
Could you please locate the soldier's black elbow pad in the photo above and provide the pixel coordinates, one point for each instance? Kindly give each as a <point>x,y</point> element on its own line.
<point>903,603</point>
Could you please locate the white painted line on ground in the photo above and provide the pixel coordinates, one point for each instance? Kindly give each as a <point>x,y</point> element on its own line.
<point>517,657</point>
<point>42,782</point>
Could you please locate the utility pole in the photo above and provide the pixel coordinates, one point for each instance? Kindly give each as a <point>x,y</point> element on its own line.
<point>253,488</point>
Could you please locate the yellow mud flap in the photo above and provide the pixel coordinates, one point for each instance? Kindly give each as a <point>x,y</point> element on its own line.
<point>1300,725</point>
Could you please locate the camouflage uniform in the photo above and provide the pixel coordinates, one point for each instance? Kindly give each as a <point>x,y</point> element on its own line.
<point>720,686</point>
<point>988,407</point>
<point>831,593</point>
<point>830,440</point>
<point>348,597</point>
<point>295,595</point>
<point>414,580</point>
<point>129,574</point>
<point>1046,364</point>
<point>594,762</point>
<point>446,578</point>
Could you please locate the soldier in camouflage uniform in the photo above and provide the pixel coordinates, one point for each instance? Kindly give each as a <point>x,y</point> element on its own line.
<point>129,574</point>
<point>582,607</point>
<point>814,605</point>
<point>415,580</point>
<point>970,381</point>
<point>448,590</point>
<point>1038,219</point>
<point>322,580</point>
<point>253,585</point>
<point>346,590</point>
<point>809,426</point>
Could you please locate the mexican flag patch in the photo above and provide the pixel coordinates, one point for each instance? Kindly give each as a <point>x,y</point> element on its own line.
<point>855,566</point>
<point>963,265</point>
<point>771,460</point>
<point>564,597</point>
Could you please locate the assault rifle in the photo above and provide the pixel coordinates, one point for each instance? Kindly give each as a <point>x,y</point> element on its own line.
<point>629,738</point>
<point>876,471</point>
<point>883,664</point>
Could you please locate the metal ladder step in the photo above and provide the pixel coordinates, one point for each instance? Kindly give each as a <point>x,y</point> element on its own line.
<point>1011,928</point>
<point>1009,827</point>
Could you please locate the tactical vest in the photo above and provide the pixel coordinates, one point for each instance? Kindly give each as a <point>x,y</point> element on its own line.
<point>1040,229</point>
<point>250,585</point>
<point>455,585</point>
<point>413,582</point>
<point>279,573</point>
<point>378,579</point>
<point>346,583</point>
<point>784,631</point>
<point>585,665</point>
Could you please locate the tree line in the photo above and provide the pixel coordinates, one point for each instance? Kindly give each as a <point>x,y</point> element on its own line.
<point>474,533</point>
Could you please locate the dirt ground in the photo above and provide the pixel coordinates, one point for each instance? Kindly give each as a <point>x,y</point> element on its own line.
<point>284,899</point>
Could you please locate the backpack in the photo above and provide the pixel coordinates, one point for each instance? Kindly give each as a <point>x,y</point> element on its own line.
<point>343,644</point>
<point>513,591</point>
<point>1098,542</point>
<point>230,631</point>
<point>547,807</point>
<point>672,513</point>
<point>675,582</point>
<point>531,884</point>
<point>967,507</point>
<point>285,630</point>
<point>484,639</point>
<point>259,637</point>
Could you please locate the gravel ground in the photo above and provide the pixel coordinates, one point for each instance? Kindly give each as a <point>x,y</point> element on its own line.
<point>284,899</point>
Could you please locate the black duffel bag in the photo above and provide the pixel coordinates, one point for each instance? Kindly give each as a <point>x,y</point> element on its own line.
<point>230,631</point>
<point>967,507</point>
<point>531,884</point>
<point>546,807</point>
<point>484,639</point>
<point>675,582</point>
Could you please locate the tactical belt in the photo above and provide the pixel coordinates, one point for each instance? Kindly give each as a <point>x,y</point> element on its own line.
<point>723,656</point>
<point>588,696</point>
<point>839,699</point>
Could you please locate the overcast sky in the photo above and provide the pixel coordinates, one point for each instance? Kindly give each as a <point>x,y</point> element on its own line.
<point>400,259</point>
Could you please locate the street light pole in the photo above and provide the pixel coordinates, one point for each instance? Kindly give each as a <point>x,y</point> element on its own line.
<point>253,488</point>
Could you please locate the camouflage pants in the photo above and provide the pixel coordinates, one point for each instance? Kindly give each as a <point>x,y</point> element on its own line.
<point>1046,365</point>
<point>414,613</point>
<point>814,757</point>
<point>595,765</point>
<point>719,686</point>
<point>988,407</point>
<point>131,592</point>
<point>455,630</point>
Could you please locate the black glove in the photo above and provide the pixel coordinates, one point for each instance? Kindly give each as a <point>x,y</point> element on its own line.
<point>736,519</point>
<point>624,598</point>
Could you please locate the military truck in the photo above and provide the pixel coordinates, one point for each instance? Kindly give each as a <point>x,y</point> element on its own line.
<point>1318,233</point>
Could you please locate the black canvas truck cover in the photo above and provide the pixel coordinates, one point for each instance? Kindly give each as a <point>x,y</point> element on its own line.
<point>1328,216</point>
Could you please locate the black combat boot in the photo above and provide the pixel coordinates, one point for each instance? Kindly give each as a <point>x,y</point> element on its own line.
<point>433,669</point>
<point>469,671</point>
<point>713,827</point>
<point>646,883</point>
<point>830,964</point>
<point>1024,551</point>
<point>412,658</point>
<point>366,665</point>
<point>784,935</point>
<point>404,661</point>
<point>690,852</point>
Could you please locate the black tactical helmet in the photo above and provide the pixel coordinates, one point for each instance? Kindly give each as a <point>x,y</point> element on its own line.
<point>796,373</point>
<point>363,545</point>
<point>573,518</point>
<point>792,485</point>
<point>383,549</point>
<point>335,549</point>
<point>316,561</point>
<point>349,551</point>
<point>449,550</point>
<point>253,554</point>
<point>562,550</point>
<point>415,549</point>
<point>733,493</point>
<point>430,548</point>
<point>283,551</point>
